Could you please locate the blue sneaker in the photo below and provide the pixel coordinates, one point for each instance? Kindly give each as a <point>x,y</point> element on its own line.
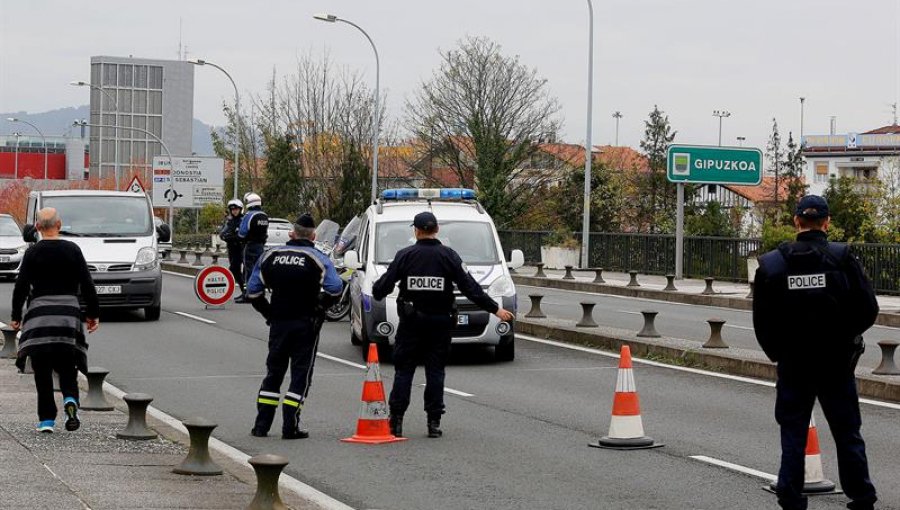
<point>71,409</point>
<point>46,426</point>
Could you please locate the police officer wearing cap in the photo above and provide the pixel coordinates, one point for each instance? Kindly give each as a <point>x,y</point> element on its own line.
<point>426,307</point>
<point>253,232</point>
<point>296,273</point>
<point>229,233</point>
<point>812,301</point>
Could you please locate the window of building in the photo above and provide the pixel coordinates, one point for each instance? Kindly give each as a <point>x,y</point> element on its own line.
<point>155,105</point>
<point>126,75</point>
<point>95,101</point>
<point>95,74</point>
<point>140,76</point>
<point>109,119</point>
<point>154,125</point>
<point>125,121</point>
<point>140,152</point>
<point>156,78</point>
<point>123,102</point>
<point>109,75</point>
<point>153,150</point>
<point>139,121</point>
<point>140,101</point>
<point>821,172</point>
<point>125,152</point>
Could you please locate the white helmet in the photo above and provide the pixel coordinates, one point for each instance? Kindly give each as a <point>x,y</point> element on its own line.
<point>235,203</point>
<point>253,200</point>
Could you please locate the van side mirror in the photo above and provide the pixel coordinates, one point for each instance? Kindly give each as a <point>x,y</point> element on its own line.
<point>516,259</point>
<point>29,234</point>
<point>163,233</point>
<point>351,260</point>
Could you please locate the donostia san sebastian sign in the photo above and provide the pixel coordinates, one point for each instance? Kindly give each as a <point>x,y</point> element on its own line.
<point>714,165</point>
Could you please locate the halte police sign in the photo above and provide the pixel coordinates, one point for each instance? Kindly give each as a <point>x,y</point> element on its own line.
<point>214,285</point>
<point>715,165</point>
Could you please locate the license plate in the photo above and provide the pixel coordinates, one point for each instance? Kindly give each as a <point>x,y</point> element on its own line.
<point>462,320</point>
<point>109,289</point>
<point>5,259</point>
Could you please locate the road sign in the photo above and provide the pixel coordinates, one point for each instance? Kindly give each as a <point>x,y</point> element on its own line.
<point>214,285</point>
<point>715,165</point>
<point>198,181</point>
<point>135,186</point>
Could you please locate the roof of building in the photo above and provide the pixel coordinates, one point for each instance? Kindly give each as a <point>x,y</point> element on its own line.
<point>764,192</point>
<point>623,158</point>
<point>892,129</point>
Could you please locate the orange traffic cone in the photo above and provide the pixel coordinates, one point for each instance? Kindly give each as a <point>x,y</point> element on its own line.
<point>814,481</point>
<point>373,426</point>
<point>626,430</point>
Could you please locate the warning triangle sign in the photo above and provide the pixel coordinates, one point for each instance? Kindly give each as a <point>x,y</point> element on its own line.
<point>135,186</point>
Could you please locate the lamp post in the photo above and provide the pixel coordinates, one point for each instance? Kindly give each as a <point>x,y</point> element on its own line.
<point>741,139</point>
<point>43,139</point>
<point>16,165</point>
<point>802,104</point>
<point>588,143</point>
<point>617,116</point>
<point>721,114</point>
<point>100,134</point>
<point>331,18</point>
<point>237,117</point>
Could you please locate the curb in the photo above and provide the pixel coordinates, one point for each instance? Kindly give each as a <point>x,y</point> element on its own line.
<point>739,362</point>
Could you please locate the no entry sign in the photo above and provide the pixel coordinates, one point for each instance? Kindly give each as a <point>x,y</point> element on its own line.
<point>214,285</point>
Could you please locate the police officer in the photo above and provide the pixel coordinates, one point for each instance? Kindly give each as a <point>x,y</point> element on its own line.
<point>426,306</point>
<point>229,234</point>
<point>254,231</point>
<point>296,274</point>
<point>811,302</point>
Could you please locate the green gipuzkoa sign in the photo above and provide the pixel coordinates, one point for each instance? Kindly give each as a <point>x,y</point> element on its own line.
<point>715,165</point>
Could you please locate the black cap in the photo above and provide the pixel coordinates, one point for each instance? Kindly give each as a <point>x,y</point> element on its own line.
<point>425,221</point>
<point>305,221</point>
<point>812,207</point>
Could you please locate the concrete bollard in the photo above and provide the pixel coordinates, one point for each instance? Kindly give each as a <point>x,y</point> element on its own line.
<point>183,256</point>
<point>9,344</point>
<point>670,283</point>
<point>535,312</point>
<point>198,461</point>
<point>633,281</point>
<point>197,261</point>
<point>568,275</point>
<point>95,400</point>
<point>887,365</point>
<point>540,270</point>
<point>215,258</point>
<point>268,469</point>
<point>750,294</point>
<point>708,291</point>
<point>599,277</point>
<point>649,328</point>
<point>137,418</point>
<point>715,335</point>
<point>587,316</point>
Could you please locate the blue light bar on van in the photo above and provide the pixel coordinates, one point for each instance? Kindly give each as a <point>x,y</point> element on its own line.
<point>428,193</point>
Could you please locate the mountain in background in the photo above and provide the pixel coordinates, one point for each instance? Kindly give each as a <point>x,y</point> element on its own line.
<point>59,122</point>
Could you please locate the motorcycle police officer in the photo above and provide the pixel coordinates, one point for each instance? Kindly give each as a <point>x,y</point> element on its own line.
<point>254,231</point>
<point>426,307</point>
<point>296,274</point>
<point>811,303</point>
<point>229,234</point>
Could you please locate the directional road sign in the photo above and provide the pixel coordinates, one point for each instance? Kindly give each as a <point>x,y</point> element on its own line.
<point>715,165</point>
<point>214,285</point>
<point>198,181</point>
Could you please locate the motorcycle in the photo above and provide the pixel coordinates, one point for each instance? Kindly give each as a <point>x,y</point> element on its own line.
<point>347,241</point>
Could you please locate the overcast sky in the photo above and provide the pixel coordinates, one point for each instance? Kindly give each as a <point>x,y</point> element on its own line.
<point>752,58</point>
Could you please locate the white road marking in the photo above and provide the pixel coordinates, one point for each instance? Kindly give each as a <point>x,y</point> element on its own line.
<point>738,378</point>
<point>735,467</point>
<point>357,365</point>
<point>748,328</point>
<point>173,273</point>
<point>194,317</point>
<point>629,311</point>
<point>453,392</point>
<point>287,482</point>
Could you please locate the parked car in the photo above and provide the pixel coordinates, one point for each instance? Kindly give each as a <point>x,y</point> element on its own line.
<point>279,228</point>
<point>12,247</point>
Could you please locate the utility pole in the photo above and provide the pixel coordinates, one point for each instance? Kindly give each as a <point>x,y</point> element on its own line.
<point>617,116</point>
<point>740,140</point>
<point>802,103</point>
<point>721,114</point>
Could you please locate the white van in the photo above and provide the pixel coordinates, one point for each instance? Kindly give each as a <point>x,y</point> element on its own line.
<point>464,226</point>
<point>117,235</point>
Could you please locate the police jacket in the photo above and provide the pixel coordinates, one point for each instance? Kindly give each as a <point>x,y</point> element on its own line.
<point>230,228</point>
<point>427,271</point>
<point>811,299</point>
<point>254,227</point>
<point>295,273</point>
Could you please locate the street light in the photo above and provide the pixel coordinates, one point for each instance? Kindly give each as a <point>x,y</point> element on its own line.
<point>741,139</point>
<point>802,104</point>
<point>721,114</point>
<point>237,117</point>
<point>588,143</point>
<point>16,171</point>
<point>14,119</point>
<point>100,134</point>
<point>331,18</point>
<point>617,116</point>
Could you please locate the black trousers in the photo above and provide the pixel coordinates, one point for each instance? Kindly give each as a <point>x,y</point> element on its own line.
<point>421,339</point>
<point>292,343</point>
<point>797,391</point>
<point>252,252</point>
<point>44,364</point>
<point>236,263</point>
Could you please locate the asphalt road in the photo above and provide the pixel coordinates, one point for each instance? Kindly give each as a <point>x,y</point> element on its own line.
<point>518,440</point>
<point>678,320</point>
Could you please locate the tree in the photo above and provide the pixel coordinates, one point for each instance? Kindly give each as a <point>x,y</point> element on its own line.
<point>888,204</point>
<point>850,209</point>
<point>793,178</point>
<point>607,200</point>
<point>775,159</point>
<point>712,220</point>
<point>482,114</point>
<point>281,193</point>
<point>656,195</point>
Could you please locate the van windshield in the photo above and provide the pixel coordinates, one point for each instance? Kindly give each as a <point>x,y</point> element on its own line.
<point>103,216</point>
<point>473,240</point>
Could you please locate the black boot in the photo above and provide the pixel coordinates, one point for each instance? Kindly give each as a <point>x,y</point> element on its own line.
<point>434,428</point>
<point>396,423</point>
<point>265,415</point>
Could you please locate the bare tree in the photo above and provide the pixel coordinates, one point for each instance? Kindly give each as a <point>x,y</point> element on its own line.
<point>482,114</point>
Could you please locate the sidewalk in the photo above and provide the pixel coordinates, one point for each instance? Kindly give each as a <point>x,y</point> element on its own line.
<point>92,469</point>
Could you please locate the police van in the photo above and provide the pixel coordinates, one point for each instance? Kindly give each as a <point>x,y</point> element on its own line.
<point>386,228</point>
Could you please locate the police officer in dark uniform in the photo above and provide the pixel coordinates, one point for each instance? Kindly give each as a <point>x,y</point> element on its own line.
<point>254,231</point>
<point>426,306</point>
<point>296,274</point>
<point>229,234</point>
<point>812,301</point>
